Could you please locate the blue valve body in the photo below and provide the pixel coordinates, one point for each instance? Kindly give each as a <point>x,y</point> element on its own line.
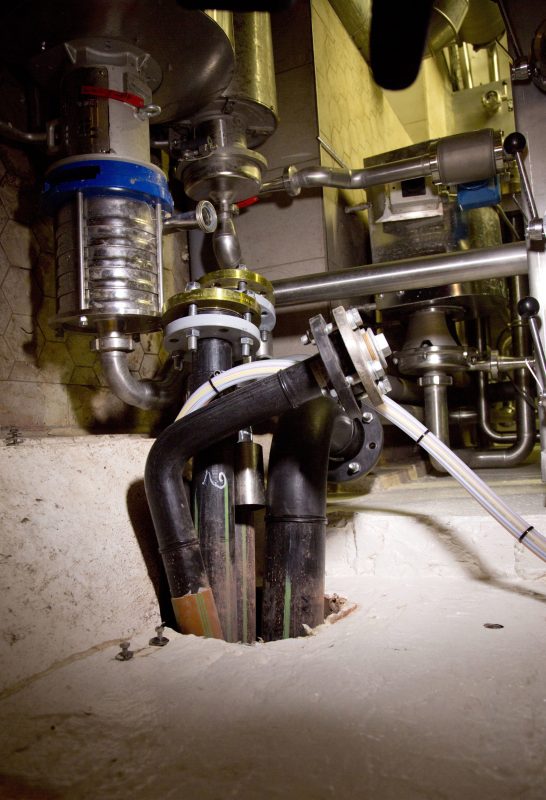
<point>479,194</point>
<point>100,177</point>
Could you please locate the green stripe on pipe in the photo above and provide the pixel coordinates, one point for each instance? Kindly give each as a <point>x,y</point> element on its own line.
<point>286,613</point>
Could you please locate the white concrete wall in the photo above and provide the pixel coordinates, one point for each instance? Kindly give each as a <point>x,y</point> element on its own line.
<point>74,527</point>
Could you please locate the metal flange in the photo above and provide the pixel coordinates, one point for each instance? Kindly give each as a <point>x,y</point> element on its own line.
<point>232,279</point>
<point>366,350</point>
<point>182,333</point>
<point>367,444</point>
<point>214,299</point>
<point>424,359</point>
<point>320,332</point>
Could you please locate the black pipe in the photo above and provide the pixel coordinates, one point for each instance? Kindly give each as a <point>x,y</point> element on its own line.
<point>296,521</point>
<point>213,494</point>
<point>193,602</point>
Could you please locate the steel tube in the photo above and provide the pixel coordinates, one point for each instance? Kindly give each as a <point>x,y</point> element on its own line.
<point>146,394</point>
<point>483,405</point>
<point>159,240</point>
<point>436,415</point>
<point>11,132</point>
<point>80,250</point>
<point>499,437</point>
<point>316,177</point>
<point>413,273</point>
<point>525,414</point>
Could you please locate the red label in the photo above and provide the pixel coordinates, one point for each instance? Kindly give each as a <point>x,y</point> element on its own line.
<point>111,94</point>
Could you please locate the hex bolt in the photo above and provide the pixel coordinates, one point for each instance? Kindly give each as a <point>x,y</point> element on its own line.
<point>124,654</point>
<point>159,640</point>
<point>245,346</point>
<point>353,468</point>
<point>367,416</point>
<point>354,318</point>
<point>192,285</point>
<point>305,339</point>
<point>191,339</point>
<point>241,286</point>
<point>382,345</point>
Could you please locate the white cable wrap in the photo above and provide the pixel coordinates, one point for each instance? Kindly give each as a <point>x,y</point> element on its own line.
<point>232,377</point>
<point>486,497</point>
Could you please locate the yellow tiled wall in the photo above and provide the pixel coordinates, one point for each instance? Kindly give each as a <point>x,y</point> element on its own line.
<point>355,118</point>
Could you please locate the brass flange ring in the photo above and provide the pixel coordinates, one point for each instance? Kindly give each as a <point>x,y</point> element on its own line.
<point>211,299</point>
<point>231,278</point>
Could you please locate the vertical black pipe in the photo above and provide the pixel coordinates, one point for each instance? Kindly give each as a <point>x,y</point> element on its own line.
<point>213,494</point>
<point>296,521</point>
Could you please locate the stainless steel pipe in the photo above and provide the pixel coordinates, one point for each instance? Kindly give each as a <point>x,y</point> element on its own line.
<point>413,273</point>
<point>436,414</point>
<point>525,413</point>
<point>462,158</point>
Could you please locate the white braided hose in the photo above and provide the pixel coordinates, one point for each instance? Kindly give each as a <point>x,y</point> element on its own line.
<point>486,497</point>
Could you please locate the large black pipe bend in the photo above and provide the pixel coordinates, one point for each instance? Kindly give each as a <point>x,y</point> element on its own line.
<point>296,520</point>
<point>193,603</point>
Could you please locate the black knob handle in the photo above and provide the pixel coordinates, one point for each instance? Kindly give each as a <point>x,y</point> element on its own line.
<point>528,307</point>
<point>514,143</point>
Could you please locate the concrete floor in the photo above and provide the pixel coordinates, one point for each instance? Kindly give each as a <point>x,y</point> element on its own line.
<point>408,697</point>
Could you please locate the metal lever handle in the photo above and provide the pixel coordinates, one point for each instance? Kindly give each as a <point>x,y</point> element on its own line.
<point>514,145</point>
<point>528,308</point>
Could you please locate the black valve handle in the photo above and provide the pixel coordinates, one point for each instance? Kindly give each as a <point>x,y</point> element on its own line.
<point>514,143</point>
<point>528,307</point>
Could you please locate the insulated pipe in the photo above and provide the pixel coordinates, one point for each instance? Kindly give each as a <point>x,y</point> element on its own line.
<point>412,273</point>
<point>296,521</point>
<point>146,394</point>
<point>193,602</point>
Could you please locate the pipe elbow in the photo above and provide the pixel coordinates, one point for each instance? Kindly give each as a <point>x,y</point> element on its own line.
<point>316,177</point>
<point>225,244</point>
<point>145,394</point>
